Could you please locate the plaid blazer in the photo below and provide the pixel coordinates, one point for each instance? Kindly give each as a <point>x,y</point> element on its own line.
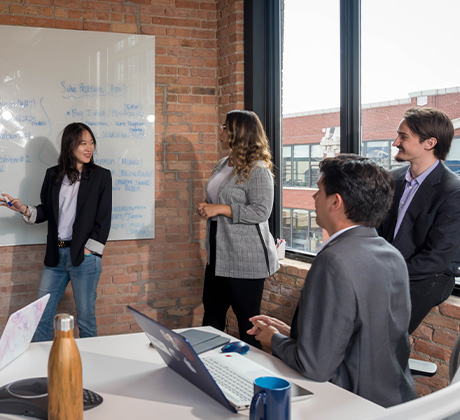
<point>244,245</point>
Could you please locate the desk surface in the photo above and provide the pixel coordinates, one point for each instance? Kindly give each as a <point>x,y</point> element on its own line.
<point>135,383</point>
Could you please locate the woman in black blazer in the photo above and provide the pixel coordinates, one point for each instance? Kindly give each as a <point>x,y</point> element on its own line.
<point>76,200</point>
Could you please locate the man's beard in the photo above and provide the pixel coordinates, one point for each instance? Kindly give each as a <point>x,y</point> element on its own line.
<point>399,159</point>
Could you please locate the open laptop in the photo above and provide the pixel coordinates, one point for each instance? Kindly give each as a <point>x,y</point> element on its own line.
<point>20,329</point>
<point>213,374</point>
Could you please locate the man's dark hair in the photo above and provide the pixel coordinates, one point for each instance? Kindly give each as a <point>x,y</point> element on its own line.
<point>366,188</point>
<point>431,122</point>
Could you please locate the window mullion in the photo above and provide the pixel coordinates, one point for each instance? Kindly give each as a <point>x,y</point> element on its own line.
<point>350,76</point>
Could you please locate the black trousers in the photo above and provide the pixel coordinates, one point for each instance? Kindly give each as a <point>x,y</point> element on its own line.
<point>426,294</point>
<point>219,293</point>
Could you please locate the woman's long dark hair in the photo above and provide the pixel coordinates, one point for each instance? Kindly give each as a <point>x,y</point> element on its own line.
<point>67,163</point>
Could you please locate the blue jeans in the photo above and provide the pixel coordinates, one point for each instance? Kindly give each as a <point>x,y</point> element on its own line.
<point>84,279</point>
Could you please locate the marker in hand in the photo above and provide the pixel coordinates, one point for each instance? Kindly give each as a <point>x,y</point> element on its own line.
<point>8,201</point>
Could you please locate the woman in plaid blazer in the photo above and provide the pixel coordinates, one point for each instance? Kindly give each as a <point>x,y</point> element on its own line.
<point>240,249</point>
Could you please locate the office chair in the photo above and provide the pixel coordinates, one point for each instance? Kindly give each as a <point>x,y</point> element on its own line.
<point>422,368</point>
<point>440,405</point>
<point>454,361</point>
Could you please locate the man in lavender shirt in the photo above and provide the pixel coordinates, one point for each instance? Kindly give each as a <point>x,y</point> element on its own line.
<point>424,220</point>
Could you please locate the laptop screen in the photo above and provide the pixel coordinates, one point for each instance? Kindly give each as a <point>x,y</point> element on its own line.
<point>180,356</point>
<point>20,329</point>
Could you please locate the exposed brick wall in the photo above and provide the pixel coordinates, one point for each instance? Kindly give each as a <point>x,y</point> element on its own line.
<point>199,77</point>
<point>433,340</point>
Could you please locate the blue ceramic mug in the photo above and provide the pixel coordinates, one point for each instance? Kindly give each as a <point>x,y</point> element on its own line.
<point>272,399</point>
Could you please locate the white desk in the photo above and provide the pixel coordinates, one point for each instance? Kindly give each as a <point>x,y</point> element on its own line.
<point>136,384</point>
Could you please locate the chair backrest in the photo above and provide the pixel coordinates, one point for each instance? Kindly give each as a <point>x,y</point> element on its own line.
<point>436,406</point>
<point>440,405</point>
<point>454,362</point>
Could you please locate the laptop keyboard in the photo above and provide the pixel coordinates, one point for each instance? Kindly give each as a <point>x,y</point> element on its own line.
<point>229,380</point>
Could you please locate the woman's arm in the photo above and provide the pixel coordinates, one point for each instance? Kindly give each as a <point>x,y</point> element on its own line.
<point>259,198</point>
<point>32,214</point>
<point>14,204</point>
<point>100,233</point>
<point>206,210</point>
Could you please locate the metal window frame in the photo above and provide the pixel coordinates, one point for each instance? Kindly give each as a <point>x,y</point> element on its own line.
<point>262,82</point>
<point>263,34</point>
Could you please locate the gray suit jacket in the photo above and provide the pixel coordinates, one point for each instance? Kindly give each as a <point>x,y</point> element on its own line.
<point>350,325</point>
<point>244,243</point>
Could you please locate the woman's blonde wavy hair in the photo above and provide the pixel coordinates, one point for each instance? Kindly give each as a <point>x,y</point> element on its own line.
<point>247,141</point>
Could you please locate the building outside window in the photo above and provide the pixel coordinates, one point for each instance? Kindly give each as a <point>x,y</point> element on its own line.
<point>381,152</point>
<point>301,231</point>
<point>301,165</point>
<point>395,77</point>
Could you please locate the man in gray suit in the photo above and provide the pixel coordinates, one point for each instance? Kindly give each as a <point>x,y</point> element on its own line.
<point>350,325</point>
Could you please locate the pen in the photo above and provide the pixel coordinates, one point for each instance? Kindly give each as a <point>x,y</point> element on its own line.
<point>8,202</point>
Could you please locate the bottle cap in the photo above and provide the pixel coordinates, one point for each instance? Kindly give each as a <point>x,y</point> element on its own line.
<point>63,322</point>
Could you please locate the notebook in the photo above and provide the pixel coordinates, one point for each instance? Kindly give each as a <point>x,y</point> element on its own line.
<point>202,341</point>
<point>20,329</point>
<point>179,355</point>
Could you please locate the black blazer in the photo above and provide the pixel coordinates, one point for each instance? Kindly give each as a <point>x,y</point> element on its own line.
<point>429,235</point>
<point>93,214</point>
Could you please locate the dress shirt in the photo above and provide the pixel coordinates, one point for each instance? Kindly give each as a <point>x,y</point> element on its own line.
<point>67,208</point>
<point>324,244</point>
<point>412,186</point>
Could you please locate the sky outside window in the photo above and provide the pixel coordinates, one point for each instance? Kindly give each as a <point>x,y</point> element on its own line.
<point>407,46</point>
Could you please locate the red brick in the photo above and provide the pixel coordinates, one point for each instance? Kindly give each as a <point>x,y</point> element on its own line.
<point>433,350</point>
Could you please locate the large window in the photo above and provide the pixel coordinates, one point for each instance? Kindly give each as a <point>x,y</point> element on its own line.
<point>387,71</point>
<point>311,88</point>
<point>321,59</point>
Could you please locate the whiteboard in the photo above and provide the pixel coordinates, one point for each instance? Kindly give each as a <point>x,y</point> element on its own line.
<point>50,78</point>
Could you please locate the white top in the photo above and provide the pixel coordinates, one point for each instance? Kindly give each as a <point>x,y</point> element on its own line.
<point>216,182</point>
<point>67,208</point>
<point>68,195</point>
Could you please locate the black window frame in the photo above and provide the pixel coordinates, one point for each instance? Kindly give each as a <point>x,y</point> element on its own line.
<point>263,81</point>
